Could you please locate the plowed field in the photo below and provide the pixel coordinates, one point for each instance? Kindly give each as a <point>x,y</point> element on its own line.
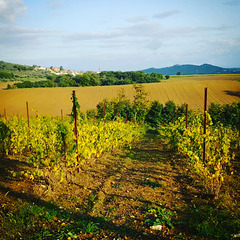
<point>50,101</point>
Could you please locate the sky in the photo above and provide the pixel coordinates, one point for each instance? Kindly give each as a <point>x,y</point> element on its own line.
<point>120,35</point>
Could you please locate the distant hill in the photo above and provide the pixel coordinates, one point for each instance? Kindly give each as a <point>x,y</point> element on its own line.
<point>189,69</point>
<point>12,67</point>
<point>18,72</point>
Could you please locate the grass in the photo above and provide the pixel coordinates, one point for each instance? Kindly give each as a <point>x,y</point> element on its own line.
<point>208,221</point>
<point>152,184</point>
<point>159,216</point>
<point>31,221</point>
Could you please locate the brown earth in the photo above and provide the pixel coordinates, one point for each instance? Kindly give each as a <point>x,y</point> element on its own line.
<point>117,187</point>
<point>222,89</point>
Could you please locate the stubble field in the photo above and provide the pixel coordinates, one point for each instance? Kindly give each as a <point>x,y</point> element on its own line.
<point>222,89</point>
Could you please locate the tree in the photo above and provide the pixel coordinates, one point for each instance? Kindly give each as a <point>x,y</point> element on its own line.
<point>154,115</point>
<point>6,75</point>
<point>108,81</point>
<point>215,111</point>
<point>83,80</point>
<point>178,73</point>
<point>61,68</point>
<point>123,106</point>
<point>167,76</point>
<point>107,107</point>
<point>140,103</point>
<point>168,111</point>
<point>230,115</point>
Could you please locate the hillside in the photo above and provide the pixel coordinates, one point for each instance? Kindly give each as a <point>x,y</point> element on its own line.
<point>12,67</point>
<point>18,72</point>
<point>49,101</point>
<point>189,69</point>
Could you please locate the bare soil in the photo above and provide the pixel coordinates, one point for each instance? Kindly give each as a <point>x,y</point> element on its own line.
<point>222,89</point>
<point>116,188</point>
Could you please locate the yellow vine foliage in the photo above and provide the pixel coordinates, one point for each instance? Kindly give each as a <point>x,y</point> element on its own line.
<point>50,142</point>
<point>220,145</point>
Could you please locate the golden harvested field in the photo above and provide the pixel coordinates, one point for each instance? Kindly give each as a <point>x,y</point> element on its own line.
<point>49,101</point>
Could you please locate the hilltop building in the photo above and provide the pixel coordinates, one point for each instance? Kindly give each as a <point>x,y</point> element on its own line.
<point>99,71</point>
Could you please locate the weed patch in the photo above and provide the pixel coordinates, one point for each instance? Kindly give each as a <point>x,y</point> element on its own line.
<point>206,221</point>
<point>158,216</point>
<point>152,184</point>
<point>30,221</point>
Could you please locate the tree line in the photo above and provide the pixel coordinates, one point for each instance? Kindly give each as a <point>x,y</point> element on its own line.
<point>92,79</point>
<point>155,113</point>
<point>139,110</point>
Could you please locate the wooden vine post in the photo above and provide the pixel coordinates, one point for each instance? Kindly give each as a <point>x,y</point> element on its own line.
<point>75,122</point>
<point>204,125</point>
<point>239,130</point>
<point>61,115</point>
<point>239,125</point>
<point>5,115</point>
<point>104,111</point>
<point>186,116</point>
<point>28,118</point>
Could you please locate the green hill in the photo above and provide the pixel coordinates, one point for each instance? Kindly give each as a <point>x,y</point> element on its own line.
<point>18,72</point>
<point>189,69</point>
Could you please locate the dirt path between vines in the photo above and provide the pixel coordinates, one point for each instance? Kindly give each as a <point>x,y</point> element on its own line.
<point>116,188</point>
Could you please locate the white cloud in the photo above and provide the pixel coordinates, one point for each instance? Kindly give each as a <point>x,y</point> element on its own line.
<point>55,4</point>
<point>149,36</point>
<point>13,36</point>
<point>166,14</point>
<point>137,19</point>
<point>232,2</point>
<point>9,9</point>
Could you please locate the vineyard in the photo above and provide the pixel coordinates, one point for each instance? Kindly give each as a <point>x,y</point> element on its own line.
<point>110,176</point>
<point>49,142</point>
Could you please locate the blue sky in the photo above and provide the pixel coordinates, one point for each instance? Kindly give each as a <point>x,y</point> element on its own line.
<point>120,34</point>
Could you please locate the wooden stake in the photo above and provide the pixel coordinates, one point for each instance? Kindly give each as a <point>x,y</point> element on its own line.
<point>104,112</point>
<point>75,123</point>
<point>239,125</point>
<point>61,114</point>
<point>5,115</point>
<point>204,125</point>
<point>28,118</point>
<point>186,116</point>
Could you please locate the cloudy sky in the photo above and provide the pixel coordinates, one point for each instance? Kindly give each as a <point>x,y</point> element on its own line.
<point>120,34</point>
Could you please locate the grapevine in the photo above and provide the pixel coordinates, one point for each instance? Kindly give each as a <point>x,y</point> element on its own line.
<point>51,142</point>
<point>220,143</point>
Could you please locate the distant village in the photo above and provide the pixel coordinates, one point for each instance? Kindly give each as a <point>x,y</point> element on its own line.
<point>61,71</point>
<point>58,70</point>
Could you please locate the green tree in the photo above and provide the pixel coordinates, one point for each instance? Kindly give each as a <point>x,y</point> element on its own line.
<point>154,116</point>
<point>109,110</point>
<point>169,111</point>
<point>231,114</point>
<point>83,80</point>
<point>140,103</point>
<point>123,107</point>
<point>215,111</point>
